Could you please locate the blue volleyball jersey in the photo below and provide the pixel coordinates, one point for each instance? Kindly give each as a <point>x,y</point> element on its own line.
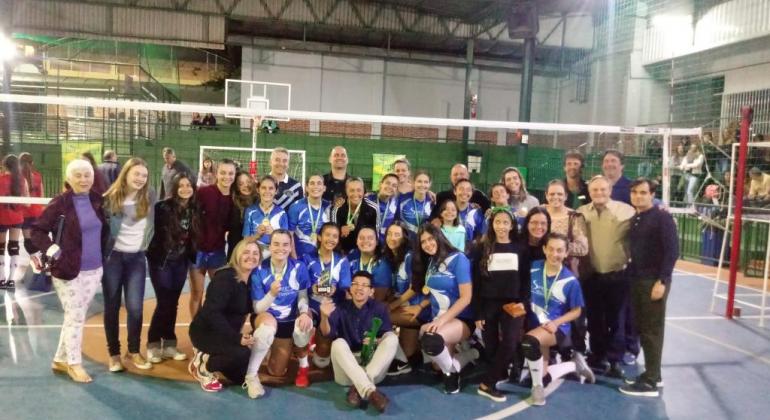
<point>295,278</point>
<point>564,295</point>
<point>413,212</point>
<point>386,213</point>
<point>300,222</point>
<point>380,269</point>
<point>444,283</point>
<point>339,272</point>
<point>473,220</point>
<point>403,280</point>
<point>254,216</point>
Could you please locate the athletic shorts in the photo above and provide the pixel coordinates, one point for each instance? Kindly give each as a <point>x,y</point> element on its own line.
<point>28,222</point>
<point>4,228</point>
<point>285,329</point>
<point>209,260</point>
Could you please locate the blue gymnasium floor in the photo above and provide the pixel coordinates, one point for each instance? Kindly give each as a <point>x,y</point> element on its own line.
<point>713,369</point>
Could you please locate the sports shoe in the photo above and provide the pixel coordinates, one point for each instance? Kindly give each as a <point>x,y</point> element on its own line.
<point>195,364</point>
<point>538,395</point>
<point>154,355</point>
<point>490,392</point>
<point>139,361</point>
<point>253,387</point>
<point>171,352</point>
<point>353,397</point>
<point>209,383</point>
<point>640,389</point>
<point>398,367</point>
<point>451,383</point>
<point>378,400</point>
<point>2,284</point>
<point>10,285</point>
<point>615,371</point>
<point>629,359</point>
<point>629,381</point>
<point>582,369</point>
<point>302,380</point>
<point>116,364</point>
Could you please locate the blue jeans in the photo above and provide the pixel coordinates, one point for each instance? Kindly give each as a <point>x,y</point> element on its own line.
<point>124,272</point>
<point>168,281</point>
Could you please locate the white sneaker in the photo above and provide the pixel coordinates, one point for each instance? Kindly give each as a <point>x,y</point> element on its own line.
<point>582,369</point>
<point>154,355</point>
<point>171,352</point>
<point>254,388</point>
<point>139,362</point>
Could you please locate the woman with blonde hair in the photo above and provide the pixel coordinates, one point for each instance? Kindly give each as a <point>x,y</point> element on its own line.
<point>216,329</point>
<point>129,207</point>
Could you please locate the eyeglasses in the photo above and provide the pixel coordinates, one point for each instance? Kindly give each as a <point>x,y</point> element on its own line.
<point>356,284</point>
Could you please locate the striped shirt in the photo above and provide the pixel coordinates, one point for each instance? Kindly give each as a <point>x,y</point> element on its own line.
<point>289,191</point>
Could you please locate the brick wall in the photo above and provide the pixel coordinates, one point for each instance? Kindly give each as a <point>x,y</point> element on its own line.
<point>409,132</point>
<point>484,136</point>
<point>346,128</point>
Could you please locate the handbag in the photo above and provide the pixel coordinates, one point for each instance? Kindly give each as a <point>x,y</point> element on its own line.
<point>41,282</point>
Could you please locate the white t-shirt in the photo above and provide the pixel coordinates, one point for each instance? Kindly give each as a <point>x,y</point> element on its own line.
<point>131,234</point>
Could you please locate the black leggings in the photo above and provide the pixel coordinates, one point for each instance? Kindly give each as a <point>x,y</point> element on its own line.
<point>224,356</point>
<point>502,335</point>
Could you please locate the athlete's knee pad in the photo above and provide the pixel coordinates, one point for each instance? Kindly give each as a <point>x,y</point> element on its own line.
<point>301,338</point>
<point>530,347</point>
<point>321,362</point>
<point>432,343</point>
<point>13,248</point>
<point>264,336</point>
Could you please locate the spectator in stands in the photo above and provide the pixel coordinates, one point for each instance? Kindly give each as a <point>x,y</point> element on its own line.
<point>577,188</point>
<point>76,270</point>
<point>110,168</point>
<point>692,168</point>
<point>196,120</point>
<point>759,188</point>
<point>674,165</point>
<point>289,189</point>
<point>100,182</point>
<point>520,200</point>
<point>458,172</point>
<point>172,167</point>
<point>336,179</point>
<point>209,121</point>
<point>612,169</point>
<point>208,173</point>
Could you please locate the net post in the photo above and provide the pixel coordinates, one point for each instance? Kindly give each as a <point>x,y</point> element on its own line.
<point>666,171</point>
<point>746,116</point>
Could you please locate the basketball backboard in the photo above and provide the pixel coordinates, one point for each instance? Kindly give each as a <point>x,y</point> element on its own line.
<point>257,95</point>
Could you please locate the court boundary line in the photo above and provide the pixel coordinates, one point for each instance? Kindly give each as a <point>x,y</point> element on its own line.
<point>765,360</point>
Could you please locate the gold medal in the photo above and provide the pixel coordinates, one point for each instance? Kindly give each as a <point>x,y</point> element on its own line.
<point>314,238</point>
<point>265,222</point>
<point>351,226</point>
<point>425,290</point>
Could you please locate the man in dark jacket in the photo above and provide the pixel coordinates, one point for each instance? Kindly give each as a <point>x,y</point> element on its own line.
<point>110,168</point>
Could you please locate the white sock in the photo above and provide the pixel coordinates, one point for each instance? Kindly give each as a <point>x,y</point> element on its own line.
<point>18,268</point>
<point>264,335</point>
<point>445,361</point>
<point>321,362</point>
<point>561,369</point>
<point>536,371</point>
<point>400,355</point>
<point>303,362</point>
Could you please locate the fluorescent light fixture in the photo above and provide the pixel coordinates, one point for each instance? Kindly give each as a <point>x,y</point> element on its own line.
<point>7,49</point>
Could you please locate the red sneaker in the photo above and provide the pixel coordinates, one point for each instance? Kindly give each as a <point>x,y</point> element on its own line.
<point>210,384</point>
<point>302,381</point>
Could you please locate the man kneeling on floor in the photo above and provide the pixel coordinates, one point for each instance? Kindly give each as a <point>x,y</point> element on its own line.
<point>351,327</point>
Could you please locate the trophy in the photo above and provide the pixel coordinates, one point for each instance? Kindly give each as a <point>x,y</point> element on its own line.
<point>325,283</point>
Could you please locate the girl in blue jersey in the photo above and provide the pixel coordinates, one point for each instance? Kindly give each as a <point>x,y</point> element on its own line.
<point>450,224</point>
<point>367,257</point>
<point>330,279</point>
<point>405,309</point>
<point>263,217</point>
<point>306,217</point>
<point>387,203</point>
<point>556,301</point>
<point>443,274</point>
<point>414,208</point>
<point>470,214</point>
<point>279,291</point>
